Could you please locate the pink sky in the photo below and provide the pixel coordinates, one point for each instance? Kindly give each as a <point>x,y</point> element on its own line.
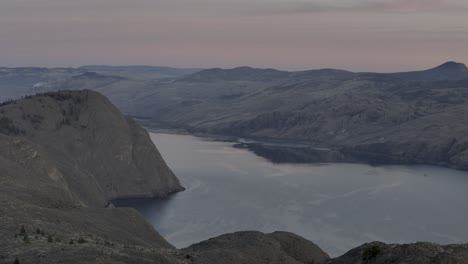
<point>359,35</point>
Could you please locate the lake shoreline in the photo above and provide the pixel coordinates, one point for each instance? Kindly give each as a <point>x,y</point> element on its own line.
<point>280,151</point>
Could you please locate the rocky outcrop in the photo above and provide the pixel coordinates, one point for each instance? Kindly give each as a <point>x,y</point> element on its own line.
<point>256,247</point>
<point>419,253</point>
<point>88,138</point>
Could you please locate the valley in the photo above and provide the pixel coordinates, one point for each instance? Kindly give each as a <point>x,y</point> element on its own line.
<point>233,132</point>
<point>55,141</point>
<point>396,118</point>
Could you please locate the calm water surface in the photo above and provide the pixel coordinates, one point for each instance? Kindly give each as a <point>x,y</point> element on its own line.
<point>337,206</point>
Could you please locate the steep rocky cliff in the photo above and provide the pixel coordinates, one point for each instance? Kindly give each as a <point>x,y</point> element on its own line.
<point>99,153</point>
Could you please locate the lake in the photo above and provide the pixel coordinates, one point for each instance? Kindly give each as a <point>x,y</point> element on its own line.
<point>337,206</point>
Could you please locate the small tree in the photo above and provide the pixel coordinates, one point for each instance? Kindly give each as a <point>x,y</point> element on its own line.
<point>71,242</point>
<point>16,261</point>
<point>22,230</point>
<point>26,238</point>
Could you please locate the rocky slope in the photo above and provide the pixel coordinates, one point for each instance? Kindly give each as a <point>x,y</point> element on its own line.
<point>256,247</point>
<point>418,253</point>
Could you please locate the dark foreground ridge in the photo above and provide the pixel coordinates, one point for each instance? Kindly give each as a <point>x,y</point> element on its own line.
<point>65,154</point>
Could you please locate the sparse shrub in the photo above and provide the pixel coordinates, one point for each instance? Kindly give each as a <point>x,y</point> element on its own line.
<point>371,253</point>
<point>81,240</point>
<point>77,99</point>
<point>59,96</point>
<point>7,127</point>
<point>7,102</point>
<point>50,239</point>
<point>36,119</point>
<point>38,231</point>
<point>22,231</point>
<point>26,238</point>
<point>71,242</point>
<point>65,121</point>
<point>16,261</point>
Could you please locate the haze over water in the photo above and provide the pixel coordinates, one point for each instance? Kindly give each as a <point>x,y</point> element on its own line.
<point>337,206</point>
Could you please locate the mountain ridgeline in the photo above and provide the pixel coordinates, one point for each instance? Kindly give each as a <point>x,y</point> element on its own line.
<point>65,154</point>
<point>392,118</point>
<point>397,118</point>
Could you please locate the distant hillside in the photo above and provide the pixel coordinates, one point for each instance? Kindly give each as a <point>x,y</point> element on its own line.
<point>16,82</point>
<point>264,75</point>
<point>240,73</point>
<point>447,71</point>
<point>147,70</point>
<point>403,118</point>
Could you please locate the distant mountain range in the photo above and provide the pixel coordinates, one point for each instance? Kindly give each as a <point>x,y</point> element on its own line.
<point>446,71</point>
<point>147,70</point>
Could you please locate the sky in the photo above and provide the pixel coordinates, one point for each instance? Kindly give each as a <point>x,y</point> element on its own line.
<point>358,35</point>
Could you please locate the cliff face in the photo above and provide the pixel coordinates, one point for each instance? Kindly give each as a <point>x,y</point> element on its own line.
<point>99,153</point>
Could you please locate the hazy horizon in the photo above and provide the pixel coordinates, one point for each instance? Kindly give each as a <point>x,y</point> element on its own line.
<point>361,35</point>
<point>214,67</point>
